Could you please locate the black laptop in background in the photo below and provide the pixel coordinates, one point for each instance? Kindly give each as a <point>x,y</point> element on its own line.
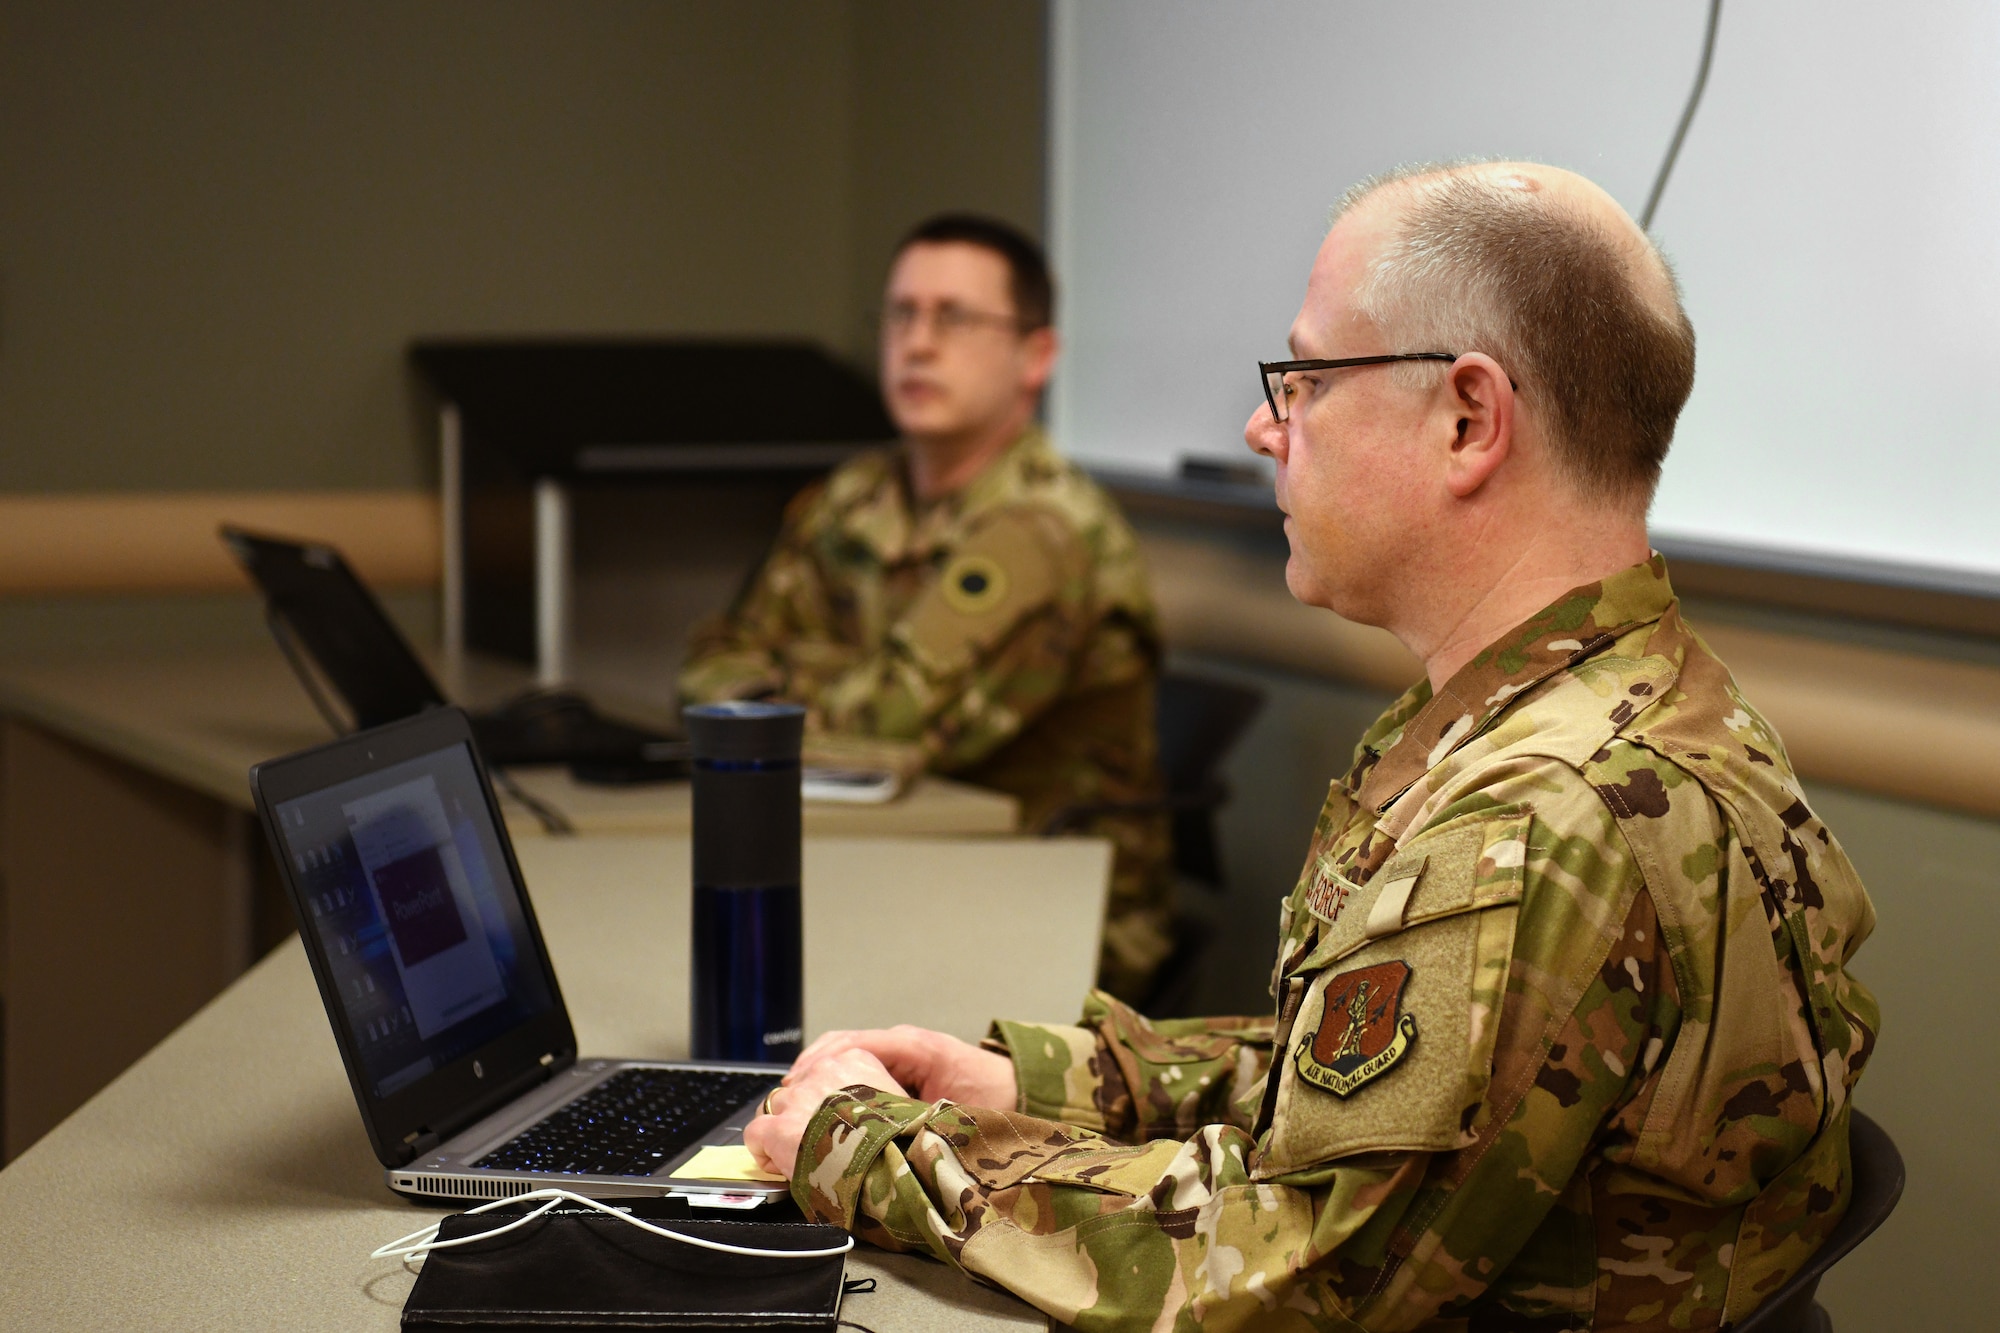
<point>318,606</point>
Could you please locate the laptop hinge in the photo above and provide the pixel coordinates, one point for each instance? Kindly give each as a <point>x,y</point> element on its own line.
<point>418,1142</point>
<point>538,1073</point>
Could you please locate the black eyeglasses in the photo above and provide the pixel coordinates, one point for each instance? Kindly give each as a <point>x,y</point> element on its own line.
<point>1279,394</point>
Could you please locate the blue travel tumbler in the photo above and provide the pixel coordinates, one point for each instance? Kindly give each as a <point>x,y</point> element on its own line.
<point>748,978</point>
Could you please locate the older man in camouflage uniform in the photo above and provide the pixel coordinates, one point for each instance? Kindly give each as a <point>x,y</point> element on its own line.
<point>971,592</point>
<point>1563,1034</point>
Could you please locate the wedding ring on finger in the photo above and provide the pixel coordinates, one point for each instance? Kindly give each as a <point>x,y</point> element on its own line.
<point>766,1110</point>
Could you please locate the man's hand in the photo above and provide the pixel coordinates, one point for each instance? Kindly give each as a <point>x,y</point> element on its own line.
<point>773,1137</point>
<point>932,1065</point>
<point>905,1060</point>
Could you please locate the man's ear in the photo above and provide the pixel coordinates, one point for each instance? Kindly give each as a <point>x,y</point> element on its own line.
<point>1480,398</point>
<point>1038,357</point>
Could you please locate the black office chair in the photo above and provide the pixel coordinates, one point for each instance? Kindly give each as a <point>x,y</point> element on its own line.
<point>1200,720</point>
<point>1878,1184</point>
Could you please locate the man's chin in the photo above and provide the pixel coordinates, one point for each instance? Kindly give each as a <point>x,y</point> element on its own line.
<point>1301,584</point>
<point>924,416</point>
<point>925,431</point>
<point>1312,589</point>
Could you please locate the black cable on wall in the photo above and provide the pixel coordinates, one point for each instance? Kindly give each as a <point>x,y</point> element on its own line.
<point>1687,116</point>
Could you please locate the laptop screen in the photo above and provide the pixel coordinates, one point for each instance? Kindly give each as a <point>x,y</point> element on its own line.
<point>351,640</point>
<point>416,914</point>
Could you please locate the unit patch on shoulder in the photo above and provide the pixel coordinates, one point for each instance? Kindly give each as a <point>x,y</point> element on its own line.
<point>1361,1034</point>
<point>973,584</point>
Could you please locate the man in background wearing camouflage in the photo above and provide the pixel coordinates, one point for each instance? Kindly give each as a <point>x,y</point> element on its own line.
<point>971,592</point>
<point>1563,1034</point>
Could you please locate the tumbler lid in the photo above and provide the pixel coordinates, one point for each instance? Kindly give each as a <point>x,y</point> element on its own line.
<point>745,729</point>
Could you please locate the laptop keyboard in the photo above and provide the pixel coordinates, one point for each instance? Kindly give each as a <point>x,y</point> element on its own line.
<point>632,1124</point>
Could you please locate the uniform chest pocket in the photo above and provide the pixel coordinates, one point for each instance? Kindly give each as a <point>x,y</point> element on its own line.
<point>1391,1048</point>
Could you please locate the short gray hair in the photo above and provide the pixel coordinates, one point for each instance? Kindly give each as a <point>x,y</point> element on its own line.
<point>1545,290</point>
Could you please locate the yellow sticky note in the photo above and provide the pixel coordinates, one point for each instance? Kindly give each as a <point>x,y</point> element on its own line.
<point>728,1162</point>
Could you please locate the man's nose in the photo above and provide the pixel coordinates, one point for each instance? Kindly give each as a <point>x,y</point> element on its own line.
<point>920,337</point>
<point>1264,435</point>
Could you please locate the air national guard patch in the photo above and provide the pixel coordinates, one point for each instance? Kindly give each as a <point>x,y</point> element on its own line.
<point>1361,1035</point>
<point>973,584</point>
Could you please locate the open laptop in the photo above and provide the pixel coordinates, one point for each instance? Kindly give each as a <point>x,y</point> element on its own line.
<point>316,601</point>
<point>442,998</point>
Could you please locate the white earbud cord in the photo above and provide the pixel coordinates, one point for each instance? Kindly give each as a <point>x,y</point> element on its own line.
<point>420,1243</point>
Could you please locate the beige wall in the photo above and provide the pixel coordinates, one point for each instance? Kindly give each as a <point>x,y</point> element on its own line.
<point>220,224</point>
<point>964,132</point>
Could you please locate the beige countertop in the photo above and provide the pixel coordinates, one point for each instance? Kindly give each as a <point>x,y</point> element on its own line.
<point>203,718</point>
<point>928,806</point>
<point>224,1181</point>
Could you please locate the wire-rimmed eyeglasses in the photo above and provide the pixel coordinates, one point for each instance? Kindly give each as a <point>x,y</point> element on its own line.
<point>1278,393</point>
<point>947,321</point>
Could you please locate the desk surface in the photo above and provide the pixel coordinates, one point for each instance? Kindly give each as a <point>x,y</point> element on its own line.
<point>224,1180</point>
<point>929,806</point>
<point>202,719</point>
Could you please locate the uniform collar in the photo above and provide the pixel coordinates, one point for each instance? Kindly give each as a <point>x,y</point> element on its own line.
<point>884,516</point>
<point>1421,729</point>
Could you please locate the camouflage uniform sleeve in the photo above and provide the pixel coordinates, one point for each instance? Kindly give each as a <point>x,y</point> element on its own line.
<point>773,641</point>
<point>1448,1187</point>
<point>984,649</point>
<point>1131,1078</point>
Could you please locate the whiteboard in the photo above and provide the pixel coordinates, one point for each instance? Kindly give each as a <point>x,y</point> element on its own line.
<point>1834,217</point>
